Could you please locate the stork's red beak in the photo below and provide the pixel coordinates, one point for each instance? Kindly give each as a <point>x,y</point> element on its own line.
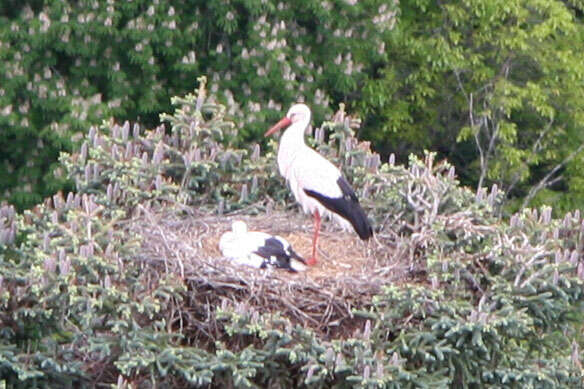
<point>285,122</point>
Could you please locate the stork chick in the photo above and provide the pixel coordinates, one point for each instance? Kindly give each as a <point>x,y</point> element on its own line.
<point>259,249</point>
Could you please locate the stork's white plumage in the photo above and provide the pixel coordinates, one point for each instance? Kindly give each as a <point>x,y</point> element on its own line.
<point>259,249</point>
<point>317,184</point>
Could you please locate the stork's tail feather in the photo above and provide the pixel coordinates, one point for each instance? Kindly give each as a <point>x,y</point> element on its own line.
<point>360,223</point>
<point>294,255</point>
<point>347,207</point>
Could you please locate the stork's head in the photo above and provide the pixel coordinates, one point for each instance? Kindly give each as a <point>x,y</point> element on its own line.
<point>298,113</point>
<point>239,227</point>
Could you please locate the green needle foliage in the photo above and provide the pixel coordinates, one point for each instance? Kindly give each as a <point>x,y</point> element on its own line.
<point>486,303</point>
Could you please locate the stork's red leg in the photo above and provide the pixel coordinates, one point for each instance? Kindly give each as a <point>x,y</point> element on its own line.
<point>312,260</point>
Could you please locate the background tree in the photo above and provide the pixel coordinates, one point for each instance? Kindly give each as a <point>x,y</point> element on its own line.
<point>495,86</point>
<point>67,64</point>
<point>492,85</point>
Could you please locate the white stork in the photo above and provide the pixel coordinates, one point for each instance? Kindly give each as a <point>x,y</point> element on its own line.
<point>316,183</point>
<point>259,249</point>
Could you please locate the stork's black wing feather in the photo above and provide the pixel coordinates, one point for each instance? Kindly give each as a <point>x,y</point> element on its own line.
<point>271,247</point>
<point>294,254</point>
<point>289,250</point>
<point>346,206</point>
<point>274,253</point>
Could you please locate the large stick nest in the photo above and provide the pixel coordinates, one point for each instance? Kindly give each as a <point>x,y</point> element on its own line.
<point>348,274</point>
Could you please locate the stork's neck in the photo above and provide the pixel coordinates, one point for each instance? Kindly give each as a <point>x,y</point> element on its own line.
<point>293,137</point>
<point>291,143</point>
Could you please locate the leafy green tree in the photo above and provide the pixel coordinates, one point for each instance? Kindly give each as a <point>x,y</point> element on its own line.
<point>496,86</point>
<point>67,64</point>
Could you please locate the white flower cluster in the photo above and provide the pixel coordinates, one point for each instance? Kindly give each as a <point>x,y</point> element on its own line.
<point>6,110</point>
<point>232,106</point>
<point>114,103</point>
<point>65,37</point>
<point>45,22</point>
<point>80,106</point>
<point>386,18</point>
<point>190,58</point>
<point>274,105</point>
<point>137,24</point>
<point>320,98</point>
